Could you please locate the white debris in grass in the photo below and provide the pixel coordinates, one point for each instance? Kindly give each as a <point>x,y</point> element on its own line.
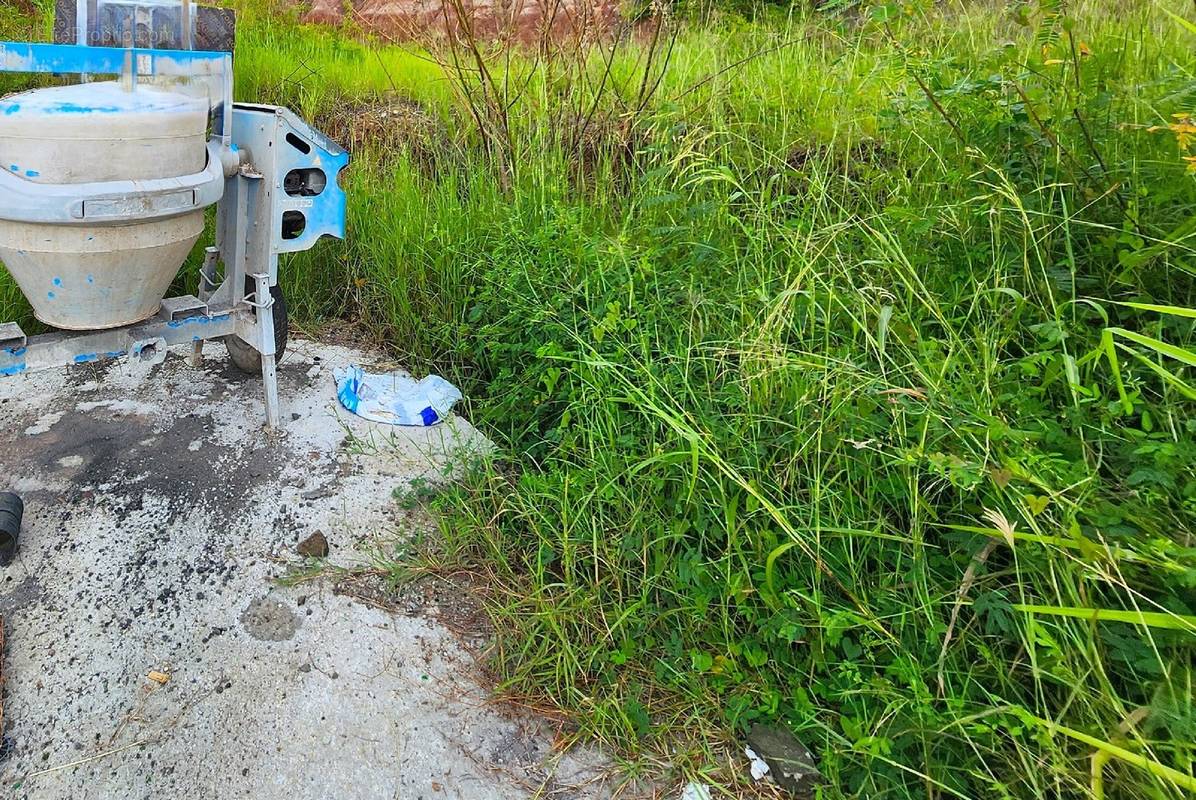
<point>759,766</point>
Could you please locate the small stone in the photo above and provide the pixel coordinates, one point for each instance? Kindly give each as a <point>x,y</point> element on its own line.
<point>306,667</point>
<point>302,600</point>
<point>314,546</point>
<point>790,763</point>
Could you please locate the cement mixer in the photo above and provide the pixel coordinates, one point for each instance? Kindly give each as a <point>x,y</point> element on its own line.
<point>105,184</point>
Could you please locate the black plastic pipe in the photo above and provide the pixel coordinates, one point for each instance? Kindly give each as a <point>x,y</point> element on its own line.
<point>12,509</point>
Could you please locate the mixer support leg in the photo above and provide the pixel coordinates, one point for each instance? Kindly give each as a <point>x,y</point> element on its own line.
<point>266,346</point>
<point>270,379</point>
<point>207,285</point>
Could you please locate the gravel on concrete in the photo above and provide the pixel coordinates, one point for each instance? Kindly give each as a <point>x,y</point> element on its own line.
<point>159,516</point>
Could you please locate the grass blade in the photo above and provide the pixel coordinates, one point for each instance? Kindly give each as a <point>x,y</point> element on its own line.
<point>1152,619</point>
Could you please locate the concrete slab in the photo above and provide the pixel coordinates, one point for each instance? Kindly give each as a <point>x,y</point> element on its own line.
<point>159,517</point>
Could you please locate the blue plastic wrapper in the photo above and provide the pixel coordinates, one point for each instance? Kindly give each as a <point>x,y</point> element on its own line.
<point>395,398</point>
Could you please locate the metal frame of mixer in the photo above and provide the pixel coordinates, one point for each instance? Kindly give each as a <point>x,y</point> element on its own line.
<point>275,182</point>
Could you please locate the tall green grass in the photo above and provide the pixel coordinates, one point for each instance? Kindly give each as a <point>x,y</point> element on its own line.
<point>846,385</point>
<point>762,392</point>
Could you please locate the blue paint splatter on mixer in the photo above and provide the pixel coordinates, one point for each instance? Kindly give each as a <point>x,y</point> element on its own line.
<point>75,108</point>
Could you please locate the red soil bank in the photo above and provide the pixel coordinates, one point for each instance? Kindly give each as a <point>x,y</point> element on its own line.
<point>523,20</point>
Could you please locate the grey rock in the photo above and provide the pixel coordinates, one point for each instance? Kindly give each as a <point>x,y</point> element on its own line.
<point>790,763</point>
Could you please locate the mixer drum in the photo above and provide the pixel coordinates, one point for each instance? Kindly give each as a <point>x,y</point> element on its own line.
<point>89,277</point>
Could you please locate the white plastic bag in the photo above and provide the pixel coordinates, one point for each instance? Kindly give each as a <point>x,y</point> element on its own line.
<point>395,398</point>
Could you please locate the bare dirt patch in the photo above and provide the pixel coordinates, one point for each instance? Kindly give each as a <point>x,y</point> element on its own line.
<point>390,125</point>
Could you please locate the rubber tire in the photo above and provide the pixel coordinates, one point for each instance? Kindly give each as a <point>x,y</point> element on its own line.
<point>11,512</point>
<point>244,356</point>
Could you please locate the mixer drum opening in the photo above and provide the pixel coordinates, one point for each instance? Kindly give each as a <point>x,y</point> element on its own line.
<point>89,277</point>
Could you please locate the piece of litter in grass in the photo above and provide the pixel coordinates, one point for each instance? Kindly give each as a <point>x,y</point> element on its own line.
<point>695,791</point>
<point>395,398</point>
<point>157,677</point>
<point>759,767</point>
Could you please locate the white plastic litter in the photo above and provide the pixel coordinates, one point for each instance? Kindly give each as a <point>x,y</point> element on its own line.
<point>395,398</point>
<point>759,766</point>
<point>695,791</point>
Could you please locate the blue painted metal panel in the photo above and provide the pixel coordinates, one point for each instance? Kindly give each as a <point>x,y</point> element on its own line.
<point>291,144</point>
<point>325,213</point>
<point>76,59</point>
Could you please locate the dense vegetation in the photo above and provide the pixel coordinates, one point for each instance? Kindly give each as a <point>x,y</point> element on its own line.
<point>840,363</point>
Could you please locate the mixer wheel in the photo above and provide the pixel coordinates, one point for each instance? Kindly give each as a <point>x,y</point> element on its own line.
<point>245,356</point>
